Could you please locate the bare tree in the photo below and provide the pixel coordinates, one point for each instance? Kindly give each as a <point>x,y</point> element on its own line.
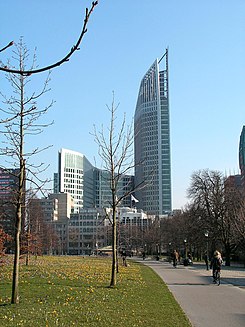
<point>217,204</point>
<point>38,236</point>
<point>239,224</point>
<point>22,116</point>
<point>236,211</point>
<point>66,58</point>
<point>116,152</point>
<point>22,121</point>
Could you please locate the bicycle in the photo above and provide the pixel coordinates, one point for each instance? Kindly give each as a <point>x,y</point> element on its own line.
<point>216,276</point>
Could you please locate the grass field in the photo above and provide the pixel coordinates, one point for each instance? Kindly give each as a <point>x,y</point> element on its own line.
<point>73,291</point>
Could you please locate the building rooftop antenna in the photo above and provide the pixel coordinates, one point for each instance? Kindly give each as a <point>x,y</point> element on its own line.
<point>165,54</point>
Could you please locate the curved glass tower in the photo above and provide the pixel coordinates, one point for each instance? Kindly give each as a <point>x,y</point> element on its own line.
<point>152,141</point>
<point>242,157</point>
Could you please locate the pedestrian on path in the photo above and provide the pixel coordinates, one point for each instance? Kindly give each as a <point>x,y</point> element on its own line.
<point>124,256</point>
<point>175,258</point>
<point>216,263</point>
<point>206,260</point>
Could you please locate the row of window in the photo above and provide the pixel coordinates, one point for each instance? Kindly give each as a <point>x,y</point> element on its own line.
<point>72,170</point>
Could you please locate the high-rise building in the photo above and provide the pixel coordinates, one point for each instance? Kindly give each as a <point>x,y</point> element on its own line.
<point>242,158</point>
<point>152,141</point>
<point>88,185</point>
<point>9,183</point>
<point>102,188</point>
<point>75,177</point>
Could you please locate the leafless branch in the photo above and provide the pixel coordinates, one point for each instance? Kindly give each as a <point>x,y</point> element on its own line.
<point>88,12</point>
<point>7,46</point>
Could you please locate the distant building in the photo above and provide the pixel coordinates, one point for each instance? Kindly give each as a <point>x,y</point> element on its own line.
<point>49,208</point>
<point>55,211</point>
<point>89,186</point>
<point>9,183</point>
<point>56,188</point>
<point>65,208</point>
<point>102,188</point>
<point>234,181</point>
<point>75,177</point>
<point>65,204</point>
<point>132,230</point>
<point>132,217</point>
<point>86,232</point>
<point>152,141</point>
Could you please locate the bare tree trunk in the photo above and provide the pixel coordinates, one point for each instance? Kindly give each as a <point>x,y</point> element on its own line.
<point>114,251</point>
<point>116,150</point>
<point>19,198</point>
<point>15,281</point>
<point>28,245</point>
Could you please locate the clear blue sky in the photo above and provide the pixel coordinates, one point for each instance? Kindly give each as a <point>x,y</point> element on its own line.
<point>206,73</point>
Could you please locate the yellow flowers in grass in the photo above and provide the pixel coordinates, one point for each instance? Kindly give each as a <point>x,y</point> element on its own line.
<point>73,291</point>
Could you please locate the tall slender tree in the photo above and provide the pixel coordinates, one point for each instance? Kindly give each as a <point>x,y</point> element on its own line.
<point>22,120</point>
<point>116,152</point>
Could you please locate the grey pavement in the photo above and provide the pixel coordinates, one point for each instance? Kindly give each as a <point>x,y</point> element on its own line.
<point>205,304</point>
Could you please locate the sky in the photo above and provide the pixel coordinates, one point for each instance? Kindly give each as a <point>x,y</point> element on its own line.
<point>206,74</point>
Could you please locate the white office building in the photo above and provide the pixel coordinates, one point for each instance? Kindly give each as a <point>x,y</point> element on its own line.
<point>75,176</point>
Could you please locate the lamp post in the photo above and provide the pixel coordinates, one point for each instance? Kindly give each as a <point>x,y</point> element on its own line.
<point>169,247</point>
<point>206,257</point>
<point>169,252</point>
<point>185,241</point>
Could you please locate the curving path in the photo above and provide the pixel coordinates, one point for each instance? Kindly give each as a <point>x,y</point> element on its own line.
<point>205,304</point>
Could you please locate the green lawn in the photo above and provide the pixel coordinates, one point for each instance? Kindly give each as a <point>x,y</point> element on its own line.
<point>73,291</point>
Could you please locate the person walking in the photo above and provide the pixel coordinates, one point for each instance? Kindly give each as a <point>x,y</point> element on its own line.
<point>215,265</point>
<point>175,258</point>
<point>124,256</point>
<point>206,260</point>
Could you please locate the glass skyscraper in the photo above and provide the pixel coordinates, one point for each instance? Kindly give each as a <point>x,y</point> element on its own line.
<point>152,141</point>
<point>242,157</point>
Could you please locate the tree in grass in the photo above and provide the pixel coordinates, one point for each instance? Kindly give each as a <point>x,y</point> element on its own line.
<point>116,152</point>
<point>21,120</point>
<point>15,138</point>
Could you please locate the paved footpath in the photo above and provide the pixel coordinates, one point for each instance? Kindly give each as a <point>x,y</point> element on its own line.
<point>205,304</point>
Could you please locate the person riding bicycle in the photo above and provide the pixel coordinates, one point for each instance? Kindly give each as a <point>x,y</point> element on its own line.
<point>216,263</point>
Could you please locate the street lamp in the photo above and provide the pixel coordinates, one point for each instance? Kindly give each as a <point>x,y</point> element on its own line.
<point>185,241</point>
<point>169,251</point>
<point>169,247</point>
<point>206,257</point>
